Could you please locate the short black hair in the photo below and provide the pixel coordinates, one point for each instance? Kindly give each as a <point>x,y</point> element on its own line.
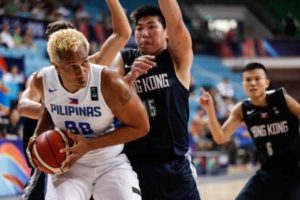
<point>255,65</point>
<point>58,25</point>
<point>148,10</point>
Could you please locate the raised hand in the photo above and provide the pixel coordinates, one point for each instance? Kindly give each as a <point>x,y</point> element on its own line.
<point>140,66</point>
<point>206,99</point>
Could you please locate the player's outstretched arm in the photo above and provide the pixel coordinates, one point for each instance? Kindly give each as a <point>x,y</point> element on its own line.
<point>28,105</point>
<point>118,39</point>
<point>126,106</point>
<point>221,134</point>
<point>179,38</point>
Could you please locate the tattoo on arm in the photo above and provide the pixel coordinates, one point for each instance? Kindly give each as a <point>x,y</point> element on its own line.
<point>125,96</point>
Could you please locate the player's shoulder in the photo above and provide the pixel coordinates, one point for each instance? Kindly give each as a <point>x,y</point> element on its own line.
<point>37,77</point>
<point>113,87</point>
<point>276,94</point>
<point>237,109</point>
<point>110,76</point>
<point>276,91</point>
<point>112,82</point>
<point>95,69</point>
<point>40,73</point>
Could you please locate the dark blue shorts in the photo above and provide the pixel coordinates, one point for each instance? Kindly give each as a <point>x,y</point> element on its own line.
<point>267,186</point>
<point>35,188</point>
<point>166,180</point>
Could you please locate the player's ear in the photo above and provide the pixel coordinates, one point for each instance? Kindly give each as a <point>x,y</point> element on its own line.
<point>167,36</point>
<point>267,83</point>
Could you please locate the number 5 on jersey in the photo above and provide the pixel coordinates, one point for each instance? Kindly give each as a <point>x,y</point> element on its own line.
<point>150,107</point>
<point>269,149</point>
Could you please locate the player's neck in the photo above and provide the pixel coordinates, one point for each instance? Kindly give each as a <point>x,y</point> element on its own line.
<point>156,52</point>
<point>160,50</point>
<point>260,101</point>
<point>67,86</point>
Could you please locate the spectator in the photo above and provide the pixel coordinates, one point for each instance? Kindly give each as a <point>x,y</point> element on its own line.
<point>28,39</point>
<point>290,25</point>
<point>39,11</point>
<point>12,80</point>
<point>199,133</point>
<point>14,126</point>
<point>6,38</point>
<point>243,143</point>
<point>99,30</point>
<point>242,137</point>
<point>18,39</point>
<point>225,88</point>
<point>14,76</point>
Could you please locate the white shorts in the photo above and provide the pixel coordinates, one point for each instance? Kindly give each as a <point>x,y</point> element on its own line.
<point>114,180</point>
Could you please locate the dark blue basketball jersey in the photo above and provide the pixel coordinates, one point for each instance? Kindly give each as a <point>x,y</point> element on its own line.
<point>274,130</point>
<point>166,101</point>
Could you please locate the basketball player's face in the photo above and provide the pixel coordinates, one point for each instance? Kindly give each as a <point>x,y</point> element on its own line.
<point>150,35</point>
<point>255,83</point>
<point>73,69</point>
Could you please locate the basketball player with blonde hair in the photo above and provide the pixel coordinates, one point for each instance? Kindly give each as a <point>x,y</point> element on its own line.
<point>96,165</point>
<point>29,105</point>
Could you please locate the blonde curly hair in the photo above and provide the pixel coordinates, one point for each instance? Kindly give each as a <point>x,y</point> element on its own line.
<point>65,40</point>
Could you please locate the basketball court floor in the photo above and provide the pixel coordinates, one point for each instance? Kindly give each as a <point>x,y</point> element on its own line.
<point>225,187</point>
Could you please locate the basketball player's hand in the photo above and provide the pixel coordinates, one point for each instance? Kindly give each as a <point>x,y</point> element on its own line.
<point>206,100</point>
<point>79,148</point>
<point>142,64</point>
<point>30,144</point>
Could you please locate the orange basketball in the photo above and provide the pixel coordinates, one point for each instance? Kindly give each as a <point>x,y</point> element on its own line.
<point>45,151</point>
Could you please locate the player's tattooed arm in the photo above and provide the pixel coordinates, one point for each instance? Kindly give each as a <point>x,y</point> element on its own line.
<point>125,96</point>
<point>126,106</point>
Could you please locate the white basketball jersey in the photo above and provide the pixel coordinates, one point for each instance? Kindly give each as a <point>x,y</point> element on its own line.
<point>84,111</point>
